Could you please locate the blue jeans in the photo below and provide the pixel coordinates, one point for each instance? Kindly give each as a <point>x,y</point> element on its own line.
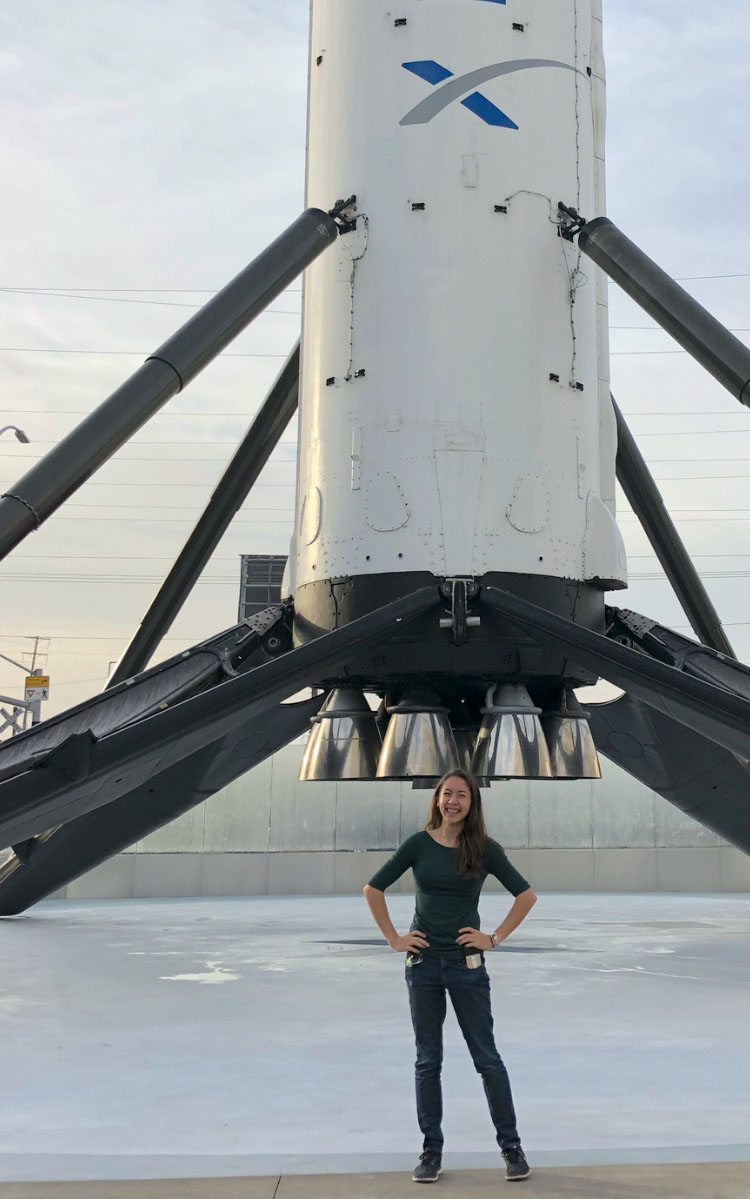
<point>427,980</point>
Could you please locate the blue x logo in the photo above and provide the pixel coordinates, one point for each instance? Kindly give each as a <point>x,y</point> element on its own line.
<point>459,85</point>
<point>433,73</point>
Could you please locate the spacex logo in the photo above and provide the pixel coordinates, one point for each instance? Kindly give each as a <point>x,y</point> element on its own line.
<point>432,72</point>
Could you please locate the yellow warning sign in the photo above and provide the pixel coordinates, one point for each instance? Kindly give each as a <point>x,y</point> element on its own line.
<point>37,687</point>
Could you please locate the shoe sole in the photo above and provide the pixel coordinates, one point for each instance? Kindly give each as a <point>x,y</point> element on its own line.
<point>519,1177</point>
<point>426,1179</point>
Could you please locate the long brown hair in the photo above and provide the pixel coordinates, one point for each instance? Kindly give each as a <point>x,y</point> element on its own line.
<point>473,838</point>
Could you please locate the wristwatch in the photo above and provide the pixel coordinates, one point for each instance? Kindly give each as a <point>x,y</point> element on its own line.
<point>494,940</point>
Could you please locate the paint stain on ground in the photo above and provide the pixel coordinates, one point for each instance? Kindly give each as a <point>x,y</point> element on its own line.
<point>213,975</point>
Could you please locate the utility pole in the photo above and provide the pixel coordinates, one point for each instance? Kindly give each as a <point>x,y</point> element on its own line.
<point>36,690</point>
<point>36,710</point>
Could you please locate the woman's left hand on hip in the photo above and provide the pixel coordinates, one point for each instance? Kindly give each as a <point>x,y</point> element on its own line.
<point>472,938</point>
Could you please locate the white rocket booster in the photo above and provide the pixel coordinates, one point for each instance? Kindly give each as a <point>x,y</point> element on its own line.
<point>455,415</point>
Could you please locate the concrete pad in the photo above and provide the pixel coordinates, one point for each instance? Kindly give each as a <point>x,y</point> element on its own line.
<point>162,1188</point>
<point>269,1036</point>
<point>721,1180</point>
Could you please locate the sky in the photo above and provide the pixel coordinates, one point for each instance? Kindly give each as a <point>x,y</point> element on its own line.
<point>151,148</point>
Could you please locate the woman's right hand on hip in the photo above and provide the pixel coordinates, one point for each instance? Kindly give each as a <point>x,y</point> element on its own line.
<point>413,942</point>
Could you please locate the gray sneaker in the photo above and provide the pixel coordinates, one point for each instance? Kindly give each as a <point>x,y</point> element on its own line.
<point>516,1166</point>
<point>429,1167</point>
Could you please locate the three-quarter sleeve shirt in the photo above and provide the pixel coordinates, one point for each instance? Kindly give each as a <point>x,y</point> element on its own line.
<point>445,901</point>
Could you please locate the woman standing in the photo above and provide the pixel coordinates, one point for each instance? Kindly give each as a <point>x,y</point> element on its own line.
<point>444,951</point>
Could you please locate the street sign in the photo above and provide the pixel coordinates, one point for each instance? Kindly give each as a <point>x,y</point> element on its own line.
<point>37,687</point>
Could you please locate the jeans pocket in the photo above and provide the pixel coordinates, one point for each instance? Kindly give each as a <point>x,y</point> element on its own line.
<point>413,959</point>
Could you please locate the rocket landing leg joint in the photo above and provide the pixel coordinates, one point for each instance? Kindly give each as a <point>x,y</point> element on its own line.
<point>575,222</point>
<point>346,223</point>
<point>459,592</point>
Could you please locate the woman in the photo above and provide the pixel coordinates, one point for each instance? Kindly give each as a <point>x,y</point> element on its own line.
<point>444,951</point>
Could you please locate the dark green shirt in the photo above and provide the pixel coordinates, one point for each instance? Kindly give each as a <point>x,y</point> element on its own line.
<point>445,902</point>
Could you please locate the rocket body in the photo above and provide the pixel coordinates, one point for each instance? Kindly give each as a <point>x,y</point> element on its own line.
<point>455,417</point>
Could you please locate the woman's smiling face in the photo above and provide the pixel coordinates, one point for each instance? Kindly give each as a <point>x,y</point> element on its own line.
<point>454,800</point>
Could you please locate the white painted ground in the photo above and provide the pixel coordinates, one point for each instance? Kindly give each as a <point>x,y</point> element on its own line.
<point>223,1036</point>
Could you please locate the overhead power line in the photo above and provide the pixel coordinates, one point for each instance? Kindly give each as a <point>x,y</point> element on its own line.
<point>96,295</point>
<point>658,329</point>
<point>208,413</point>
<point>232,580</point>
<point>153,507</point>
<point>687,432</point>
<point>661,461</point>
<point>686,412</point>
<point>293,462</point>
<point>683,519</point>
<point>144,580</point>
<point>192,483</point>
<point>189,483</point>
<point>196,639</point>
<point>693,478</point>
<point>148,557</point>
<point>695,278</point>
<point>156,508</point>
<point>125,353</point>
<point>213,290</point>
<point>165,520</point>
<point>65,295</point>
<point>178,461</point>
<point>203,441</point>
<point>248,415</point>
<point>156,416</point>
<point>642,353</point>
<point>194,291</point>
<point>225,354</point>
<point>235,557</point>
<point>285,484</point>
<point>155,518</point>
<point>70,682</point>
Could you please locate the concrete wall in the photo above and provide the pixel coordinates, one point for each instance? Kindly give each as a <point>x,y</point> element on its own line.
<point>268,834</point>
